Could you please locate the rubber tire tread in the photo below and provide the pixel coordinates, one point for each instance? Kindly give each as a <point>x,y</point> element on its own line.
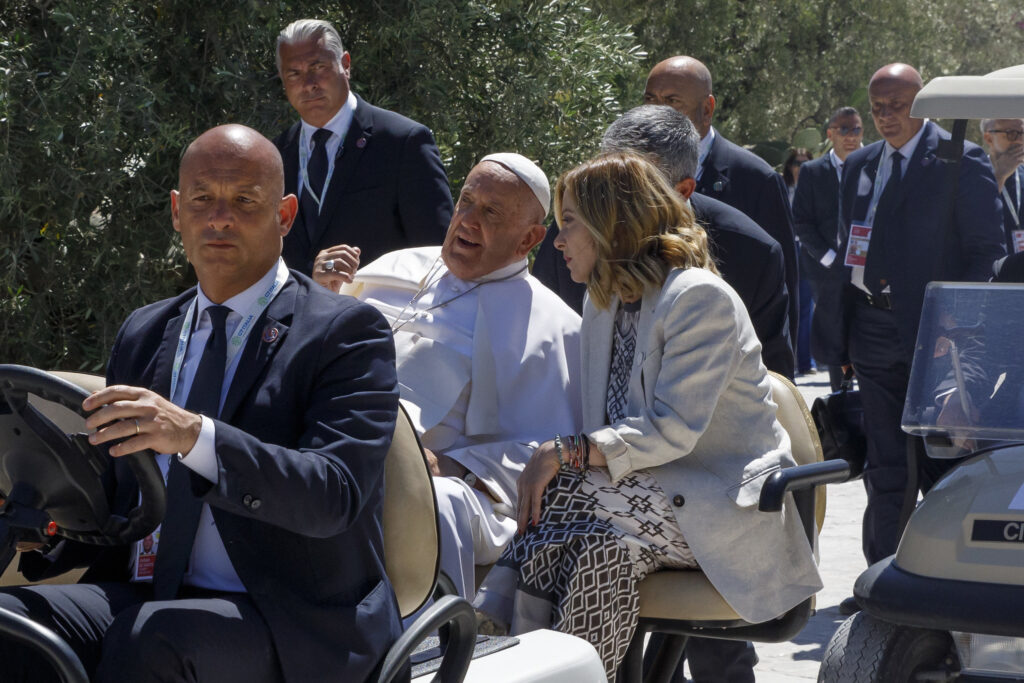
<point>866,650</point>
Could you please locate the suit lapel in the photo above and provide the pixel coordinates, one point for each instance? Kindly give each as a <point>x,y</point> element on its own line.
<point>164,361</point>
<point>264,340</point>
<point>863,199</point>
<point>638,385</point>
<point>714,178</point>
<point>597,358</point>
<point>358,138</point>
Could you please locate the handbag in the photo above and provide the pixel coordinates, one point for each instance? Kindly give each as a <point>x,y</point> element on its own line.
<point>839,418</point>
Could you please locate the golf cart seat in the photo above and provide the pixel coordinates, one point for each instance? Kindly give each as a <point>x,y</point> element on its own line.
<point>678,604</point>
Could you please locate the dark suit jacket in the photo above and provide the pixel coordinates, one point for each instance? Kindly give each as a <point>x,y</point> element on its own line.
<point>300,447</point>
<point>816,216</point>
<point>388,191</point>
<point>748,258</point>
<point>1009,225</point>
<point>816,220</point>
<point>925,241</point>
<point>746,182</point>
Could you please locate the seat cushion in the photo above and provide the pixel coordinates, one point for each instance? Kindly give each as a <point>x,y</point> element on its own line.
<point>682,594</point>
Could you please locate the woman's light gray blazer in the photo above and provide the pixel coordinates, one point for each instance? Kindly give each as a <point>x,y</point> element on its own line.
<point>703,423</point>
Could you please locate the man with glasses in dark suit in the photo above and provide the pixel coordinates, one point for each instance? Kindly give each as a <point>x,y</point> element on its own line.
<point>816,220</point>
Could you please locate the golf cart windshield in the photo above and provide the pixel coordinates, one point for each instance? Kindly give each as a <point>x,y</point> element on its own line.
<point>967,380</point>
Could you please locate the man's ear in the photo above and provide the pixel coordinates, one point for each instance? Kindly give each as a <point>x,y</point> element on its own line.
<point>533,237</point>
<point>709,108</point>
<point>286,212</point>
<point>686,187</point>
<point>175,198</point>
<point>988,139</point>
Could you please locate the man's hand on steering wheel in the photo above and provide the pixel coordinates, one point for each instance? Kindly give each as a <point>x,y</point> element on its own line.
<point>143,419</point>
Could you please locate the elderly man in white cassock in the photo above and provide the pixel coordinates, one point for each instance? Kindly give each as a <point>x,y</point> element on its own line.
<point>487,355</point>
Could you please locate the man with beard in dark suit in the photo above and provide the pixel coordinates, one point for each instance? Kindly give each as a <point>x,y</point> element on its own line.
<point>369,181</point>
<point>726,171</point>
<point>816,219</point>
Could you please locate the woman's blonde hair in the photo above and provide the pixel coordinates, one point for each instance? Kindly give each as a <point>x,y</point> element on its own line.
<point>641,226</point>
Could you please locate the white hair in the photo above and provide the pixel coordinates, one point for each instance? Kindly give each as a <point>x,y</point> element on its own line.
<point>310,29</point>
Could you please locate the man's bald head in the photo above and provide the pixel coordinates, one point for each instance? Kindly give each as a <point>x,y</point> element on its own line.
<point>234,142</point>
<point>229,208</point>
<point>891,91</point>
<point>897,74</point>
<point>684,84</point>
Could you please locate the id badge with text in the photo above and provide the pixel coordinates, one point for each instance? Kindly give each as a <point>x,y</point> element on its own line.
<point>857,249</point>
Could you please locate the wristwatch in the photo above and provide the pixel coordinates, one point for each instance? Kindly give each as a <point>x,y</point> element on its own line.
<point>471,480</point>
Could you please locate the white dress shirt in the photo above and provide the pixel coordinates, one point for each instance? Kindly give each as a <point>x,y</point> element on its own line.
<point>338,125</point>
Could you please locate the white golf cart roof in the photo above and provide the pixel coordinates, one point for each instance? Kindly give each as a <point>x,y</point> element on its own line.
<point>998,95</point>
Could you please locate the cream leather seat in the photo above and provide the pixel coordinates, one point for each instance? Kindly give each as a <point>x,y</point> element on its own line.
<point>684,603</point>
<point>411,532</point>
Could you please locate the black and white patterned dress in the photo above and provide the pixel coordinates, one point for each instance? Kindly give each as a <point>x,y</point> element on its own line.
<point>577,572</point>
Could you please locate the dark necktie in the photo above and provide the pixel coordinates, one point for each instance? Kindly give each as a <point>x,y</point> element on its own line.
<point>875,275</point>
<point>178,531</point>
<point>316,174</point>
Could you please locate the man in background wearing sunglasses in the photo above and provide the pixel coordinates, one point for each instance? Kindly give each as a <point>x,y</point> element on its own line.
<point>1005,141</point>
<point>816,221</point>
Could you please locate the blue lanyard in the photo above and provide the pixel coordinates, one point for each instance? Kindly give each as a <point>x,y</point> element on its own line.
<point>304,162</point>
<point>240,333</point>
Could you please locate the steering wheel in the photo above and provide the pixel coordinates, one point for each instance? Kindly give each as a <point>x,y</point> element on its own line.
<point>53,482</point>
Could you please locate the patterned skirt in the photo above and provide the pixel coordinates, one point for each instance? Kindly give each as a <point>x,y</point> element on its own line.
<point>577,572</point>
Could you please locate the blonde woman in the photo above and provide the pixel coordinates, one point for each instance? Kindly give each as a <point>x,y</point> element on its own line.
<point>679,431</point>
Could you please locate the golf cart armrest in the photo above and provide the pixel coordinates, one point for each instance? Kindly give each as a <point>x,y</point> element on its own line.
<point>454,619</point>
<point>52,646</point>
<point>800,477</point>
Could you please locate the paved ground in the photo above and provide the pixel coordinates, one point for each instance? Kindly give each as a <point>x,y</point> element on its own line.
<point>841,563</point>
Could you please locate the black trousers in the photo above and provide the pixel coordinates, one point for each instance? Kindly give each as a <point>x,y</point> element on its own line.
<point>120,635</point>
<point>883,373</point>
<point>719,661</point>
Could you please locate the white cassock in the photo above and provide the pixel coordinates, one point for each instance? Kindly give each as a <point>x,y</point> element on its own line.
<point>487,370</point>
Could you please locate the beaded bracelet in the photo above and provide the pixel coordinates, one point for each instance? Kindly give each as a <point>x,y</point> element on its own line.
<point>558,451</point>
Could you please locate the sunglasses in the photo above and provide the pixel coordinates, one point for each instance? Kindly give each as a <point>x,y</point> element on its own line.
<point>848,130</point>
<point>1011,135</point>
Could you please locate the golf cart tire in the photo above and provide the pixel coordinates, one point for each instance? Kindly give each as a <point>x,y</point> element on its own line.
<point>868,650</point>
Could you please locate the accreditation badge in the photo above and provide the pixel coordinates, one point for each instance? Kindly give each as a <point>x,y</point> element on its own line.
<point>145,557</point>
<point>1018,241</point>
<point>857,248</point>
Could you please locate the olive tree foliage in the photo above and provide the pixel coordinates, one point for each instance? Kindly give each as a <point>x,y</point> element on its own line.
<point>98,99</point>
<point>784,65</point>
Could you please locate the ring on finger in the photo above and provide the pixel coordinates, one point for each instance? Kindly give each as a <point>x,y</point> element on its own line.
<point>329,265</point>
<point>138,429</point>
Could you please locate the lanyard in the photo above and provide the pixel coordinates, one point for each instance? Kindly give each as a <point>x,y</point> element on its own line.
<point>881,178</point>
<point>241,333</point>
<point>1010,204</point>
<point>304,161</point>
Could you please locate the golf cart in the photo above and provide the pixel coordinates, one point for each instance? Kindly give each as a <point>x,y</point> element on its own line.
<point>50,486</point>
<point>949,605</point>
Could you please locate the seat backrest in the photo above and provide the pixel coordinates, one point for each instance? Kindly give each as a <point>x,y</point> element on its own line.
<point>797,421</point>
<point>411,536</point>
